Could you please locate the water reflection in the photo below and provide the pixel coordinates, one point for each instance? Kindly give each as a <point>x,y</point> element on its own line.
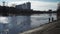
<point>18,24</point>
<point>3,19</point>
<point>40,19</point>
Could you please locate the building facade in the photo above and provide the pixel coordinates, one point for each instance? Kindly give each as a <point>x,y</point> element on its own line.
<point>24,6</point>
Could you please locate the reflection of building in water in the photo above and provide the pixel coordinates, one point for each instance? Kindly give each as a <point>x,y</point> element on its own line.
<point>3,28</point>
<point>19,24</point>
<point>24,6</point>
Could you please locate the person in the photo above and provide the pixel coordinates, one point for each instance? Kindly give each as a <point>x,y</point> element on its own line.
<point>52,18</point>
<point>49,20</point>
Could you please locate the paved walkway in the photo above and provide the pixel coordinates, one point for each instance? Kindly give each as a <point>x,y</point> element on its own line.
<point>51,28</point>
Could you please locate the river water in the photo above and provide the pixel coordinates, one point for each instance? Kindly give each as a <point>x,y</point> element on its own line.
<point>40,19</point>
<point>22,23</point>
<point>36,19</point>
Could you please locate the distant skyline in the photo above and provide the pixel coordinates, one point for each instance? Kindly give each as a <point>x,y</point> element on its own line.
<point>35,4</point>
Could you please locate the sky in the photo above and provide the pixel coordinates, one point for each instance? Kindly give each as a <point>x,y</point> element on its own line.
<point>35,4</point>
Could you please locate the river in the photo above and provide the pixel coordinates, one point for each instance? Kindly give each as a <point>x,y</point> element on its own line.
<point>18,24</point>
<point>39,19</point>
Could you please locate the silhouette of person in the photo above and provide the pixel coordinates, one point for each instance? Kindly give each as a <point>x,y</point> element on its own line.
<point>49,20</point>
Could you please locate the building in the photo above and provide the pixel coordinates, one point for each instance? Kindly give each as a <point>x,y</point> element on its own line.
<point>28,5</point>
<point>18,6</point>
<point>24,6</point>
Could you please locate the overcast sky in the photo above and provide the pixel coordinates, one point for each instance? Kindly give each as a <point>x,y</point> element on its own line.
<point>35,4</point>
